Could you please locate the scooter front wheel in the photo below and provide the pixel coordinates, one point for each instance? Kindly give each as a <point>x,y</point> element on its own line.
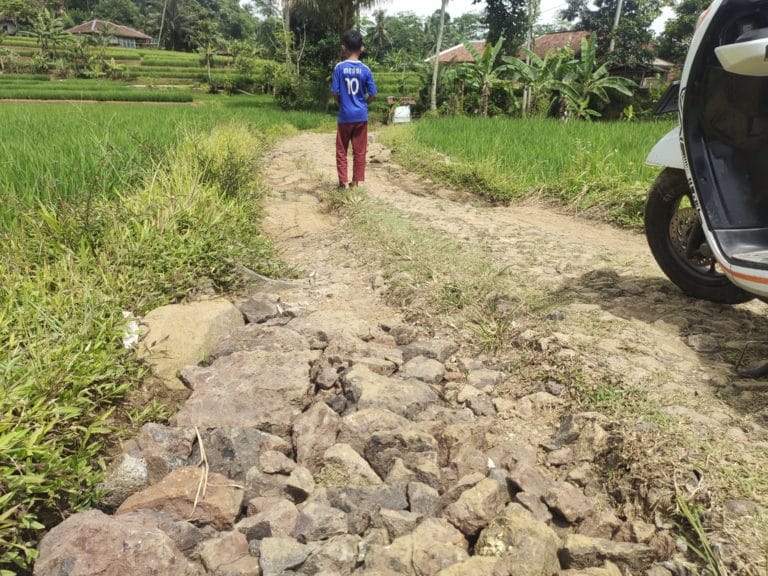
<point>677,242</point>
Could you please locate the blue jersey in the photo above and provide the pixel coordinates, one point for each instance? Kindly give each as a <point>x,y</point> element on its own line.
<point>353,82</point>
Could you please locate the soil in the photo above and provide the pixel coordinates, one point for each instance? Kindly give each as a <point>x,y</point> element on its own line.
<point>617,316</point>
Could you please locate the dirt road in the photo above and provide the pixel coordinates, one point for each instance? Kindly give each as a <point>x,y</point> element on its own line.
<point>647,356</point>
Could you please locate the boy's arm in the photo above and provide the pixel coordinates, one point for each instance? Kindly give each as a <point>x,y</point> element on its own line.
<point>371,89</point>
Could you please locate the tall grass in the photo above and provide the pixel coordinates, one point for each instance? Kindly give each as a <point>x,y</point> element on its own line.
<point>66,274</point>
<point>68,152</point>
<point>593,166</point>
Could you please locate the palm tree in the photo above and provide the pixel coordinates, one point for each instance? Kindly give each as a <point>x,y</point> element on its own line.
<point>588,81</point>
<point>380,40</point>
<point>436,63</point>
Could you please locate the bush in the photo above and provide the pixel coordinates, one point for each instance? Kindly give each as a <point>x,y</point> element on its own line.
<point>291,93</point>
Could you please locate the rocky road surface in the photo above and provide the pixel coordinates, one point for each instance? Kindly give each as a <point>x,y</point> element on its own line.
<point>328,435</point>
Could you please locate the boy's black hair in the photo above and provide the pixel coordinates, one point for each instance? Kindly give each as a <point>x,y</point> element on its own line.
<point>353,40</point>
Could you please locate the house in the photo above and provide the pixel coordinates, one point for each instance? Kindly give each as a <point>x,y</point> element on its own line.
<point>554,41</point>
<point>646,76</point>
<point>459,54</point>
<point>119,35</point>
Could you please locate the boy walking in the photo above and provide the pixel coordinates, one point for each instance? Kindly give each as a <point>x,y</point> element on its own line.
<point>353,88</point>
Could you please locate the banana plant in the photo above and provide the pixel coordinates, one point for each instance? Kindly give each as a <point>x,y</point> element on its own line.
<point>588,81</point>
<point>484,72</point>
<point>537,74</point>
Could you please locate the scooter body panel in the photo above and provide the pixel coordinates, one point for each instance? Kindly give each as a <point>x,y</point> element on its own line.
<point>667,152</point>
<point>736,231</point>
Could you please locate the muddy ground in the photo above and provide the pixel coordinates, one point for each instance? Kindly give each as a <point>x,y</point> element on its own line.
<point>597,317</point>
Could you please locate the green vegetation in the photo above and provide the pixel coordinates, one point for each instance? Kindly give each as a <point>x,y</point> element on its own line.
<point>107,208</point>
<point>63,152</point>
<point>597,167</point>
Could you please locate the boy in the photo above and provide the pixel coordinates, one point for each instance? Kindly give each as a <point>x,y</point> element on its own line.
<point>353,88</point>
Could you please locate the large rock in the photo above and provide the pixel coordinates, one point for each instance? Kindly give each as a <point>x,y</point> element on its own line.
<point>569,502</point>
<point>358,427</point>
<point>475,566</point>
<point>439,350</point>
<point>403,397</point>
<point>361,504</point>
<point>181,334</point>
<point>278,519</point>
<point>432,547</point>
<point>264,390</point>
<point>527,547</point>
<point>185,535</point>
<point>234,451</point>
<point>224,549</point>
<point>424,369</point>
<point>584,552</point>
<point>163,448</point>
<point>417,450</point>
<point>342,466</point>
<point>281,554</point>
<point>93,543</point>
<point>477,506</point>
<point>254,337</point>
<point>125,476</point>
<point>337,555</point>
<point>176,494</point>
<point>314,432</point>
<point>319,522</point>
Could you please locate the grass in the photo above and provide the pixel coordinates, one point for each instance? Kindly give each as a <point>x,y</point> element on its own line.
<point>55,153</point>
<point>594,167</point>
<point>98,95</point>
<point>107,208</point>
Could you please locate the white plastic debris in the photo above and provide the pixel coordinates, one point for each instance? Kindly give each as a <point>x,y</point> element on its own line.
<point>131,334</point>
<point>491,464</point>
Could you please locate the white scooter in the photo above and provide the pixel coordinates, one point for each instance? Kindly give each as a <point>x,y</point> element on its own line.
<point>706,216</point>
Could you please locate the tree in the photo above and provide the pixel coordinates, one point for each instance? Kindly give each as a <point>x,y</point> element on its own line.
<point>118,11</point>
<point>507,18</point>
<point>436,61</point>
<point>48,30</point>
<point>632,37</point>
<point>538,75</point>
<point>180,19</point>
<point>378,35</point>
<point>678,31</point>
<point>588,82</point>
<point>17,11</point>
<point>484,71</point>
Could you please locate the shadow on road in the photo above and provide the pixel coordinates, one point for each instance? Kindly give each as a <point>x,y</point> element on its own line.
<point>720,335</point>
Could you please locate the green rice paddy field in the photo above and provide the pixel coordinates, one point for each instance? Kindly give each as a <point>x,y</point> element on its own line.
<point>597,167</point>
<point>62,151</point>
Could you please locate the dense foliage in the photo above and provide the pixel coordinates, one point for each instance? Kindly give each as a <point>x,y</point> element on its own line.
<point>633,38</point>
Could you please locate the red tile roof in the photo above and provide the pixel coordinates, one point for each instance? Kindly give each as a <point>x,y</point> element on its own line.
<point>556,40</point>
<point>102,26</point>
<point>459,54</point>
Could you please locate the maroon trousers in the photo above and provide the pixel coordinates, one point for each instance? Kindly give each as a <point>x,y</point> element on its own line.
<point>357,133</point>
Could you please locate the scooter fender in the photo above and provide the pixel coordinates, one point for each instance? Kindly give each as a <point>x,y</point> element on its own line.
<point>667,152</point>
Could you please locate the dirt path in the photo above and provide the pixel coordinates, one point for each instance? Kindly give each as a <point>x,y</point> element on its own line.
<point>617,316</point>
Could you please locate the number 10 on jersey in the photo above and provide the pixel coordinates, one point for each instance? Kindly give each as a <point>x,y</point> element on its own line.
<point>353,86</point>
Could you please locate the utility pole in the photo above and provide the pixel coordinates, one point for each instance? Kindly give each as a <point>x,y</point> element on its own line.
<point>612,45</point>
